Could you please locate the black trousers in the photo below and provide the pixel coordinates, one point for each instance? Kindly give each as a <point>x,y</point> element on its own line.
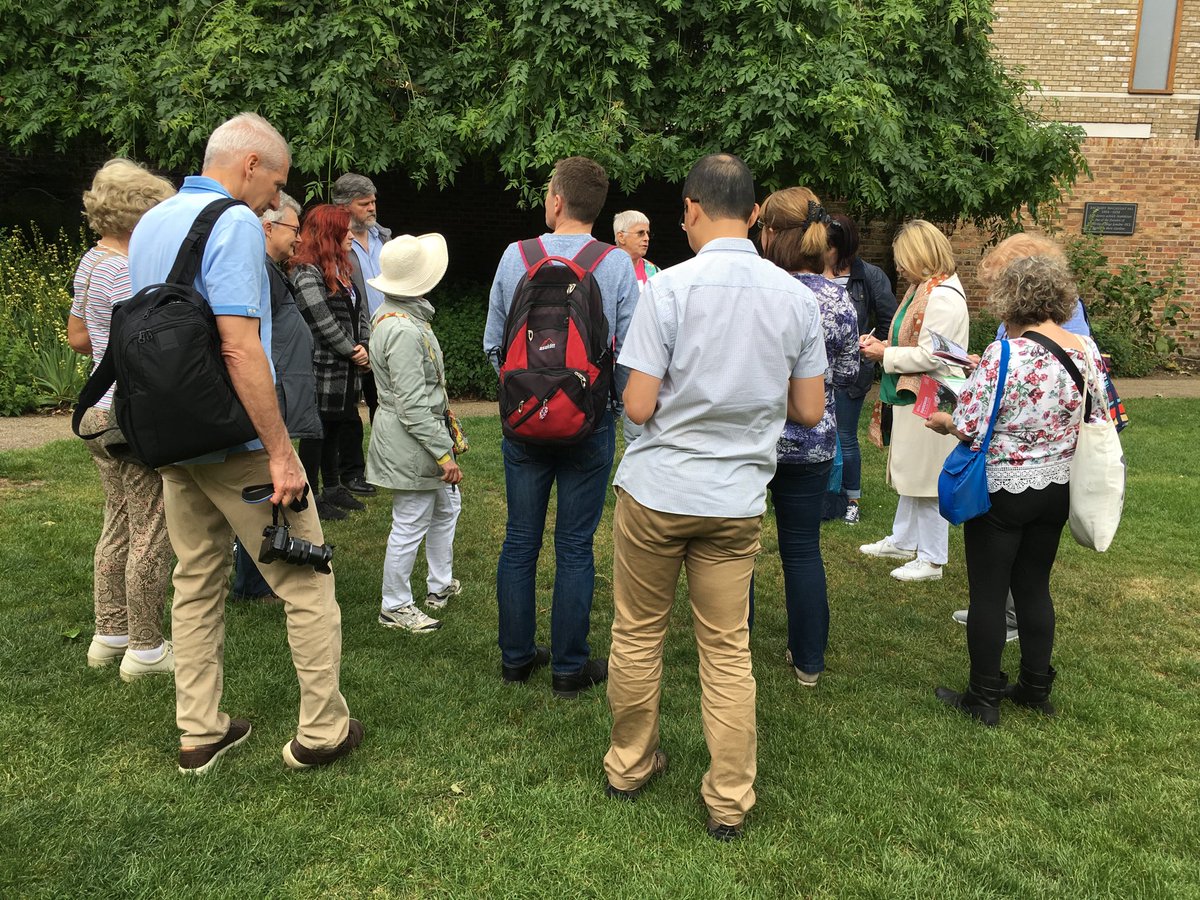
<point>1014,546</point>
<point>352,460</point>
<point>322,456</point>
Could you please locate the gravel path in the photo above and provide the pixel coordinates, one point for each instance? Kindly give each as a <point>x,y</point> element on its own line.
<point>24,432</point>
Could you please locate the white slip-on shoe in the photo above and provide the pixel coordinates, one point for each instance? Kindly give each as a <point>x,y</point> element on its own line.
<point>885,549</point>
<point>101,654</point>
<point>918,570</point>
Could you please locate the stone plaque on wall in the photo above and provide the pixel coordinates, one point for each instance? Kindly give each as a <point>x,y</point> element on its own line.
<point>1109,218</point>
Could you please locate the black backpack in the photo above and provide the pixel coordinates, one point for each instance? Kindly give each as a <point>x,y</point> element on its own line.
<point>174,398</point>
<point>556,364</point>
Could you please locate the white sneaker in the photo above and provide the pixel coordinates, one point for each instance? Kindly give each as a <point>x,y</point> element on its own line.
<point>918,570</point>
<point>808,679</point>
<point>133,668</point>
<point>439,599</point>
<point>1011,633</point>
<point>408,618</point>
<point>101,654</point>
<point>885,549</point>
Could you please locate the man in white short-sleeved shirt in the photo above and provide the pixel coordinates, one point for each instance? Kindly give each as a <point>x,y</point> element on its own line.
<point>721,349</point>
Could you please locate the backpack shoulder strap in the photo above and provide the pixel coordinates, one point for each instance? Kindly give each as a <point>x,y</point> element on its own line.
<point>592,254</point>
<point>187,262</point>
<point>1067,363</point>
<point>96,387</point>
<point>532,252</point>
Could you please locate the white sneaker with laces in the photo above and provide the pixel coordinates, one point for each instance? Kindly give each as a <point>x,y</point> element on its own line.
<point>133,668</point>
<point>408,618</point>
<point>918,570</point>
<point>885,549</point>
<point>851,517</point>
<point>439,599</point>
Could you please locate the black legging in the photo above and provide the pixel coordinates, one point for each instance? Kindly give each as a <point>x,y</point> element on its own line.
<point>320,455</point>
<point>1014,545</point>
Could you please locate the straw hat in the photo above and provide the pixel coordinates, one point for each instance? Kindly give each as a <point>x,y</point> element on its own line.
<point>411,266</point>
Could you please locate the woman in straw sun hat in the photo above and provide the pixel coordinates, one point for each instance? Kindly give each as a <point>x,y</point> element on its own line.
<point>411,450</point>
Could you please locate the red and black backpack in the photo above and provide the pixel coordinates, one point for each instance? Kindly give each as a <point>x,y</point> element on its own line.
<point>556,364</point>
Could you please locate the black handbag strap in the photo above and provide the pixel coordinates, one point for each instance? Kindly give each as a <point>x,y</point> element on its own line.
<point>1067,363</point>
<point>184,271</point>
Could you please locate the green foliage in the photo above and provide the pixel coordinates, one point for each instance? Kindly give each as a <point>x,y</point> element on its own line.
<point>898,106</point>
<point>40,369</point>
<point>1132,311</point>
<point>983,330</point>
<point>461,316</point>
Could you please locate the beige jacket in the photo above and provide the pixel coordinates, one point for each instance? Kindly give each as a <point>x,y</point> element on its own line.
<point>916,454</point>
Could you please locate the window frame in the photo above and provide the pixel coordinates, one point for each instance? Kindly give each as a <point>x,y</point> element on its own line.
<point>1137,39</point>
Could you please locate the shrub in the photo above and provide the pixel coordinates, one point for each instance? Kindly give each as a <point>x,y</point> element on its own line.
<point>461,316</point>
<point>1131,311</point>
<point>983,330</point>
<point>40,369</point>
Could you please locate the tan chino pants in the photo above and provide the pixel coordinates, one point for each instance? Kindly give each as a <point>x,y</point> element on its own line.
<point>719,553</point>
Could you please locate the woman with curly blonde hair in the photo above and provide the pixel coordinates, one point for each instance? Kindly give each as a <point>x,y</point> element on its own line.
<point>132,562</point>
<point>1013,545</point>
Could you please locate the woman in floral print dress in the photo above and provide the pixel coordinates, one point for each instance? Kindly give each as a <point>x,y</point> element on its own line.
<point>1028,470</point>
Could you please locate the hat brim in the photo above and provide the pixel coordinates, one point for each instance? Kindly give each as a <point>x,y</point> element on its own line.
<point>426,275</point>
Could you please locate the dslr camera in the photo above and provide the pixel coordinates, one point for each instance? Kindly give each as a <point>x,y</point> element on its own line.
<point>278,543</point>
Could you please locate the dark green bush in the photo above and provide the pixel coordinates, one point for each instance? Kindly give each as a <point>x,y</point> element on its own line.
<point>1132,312</point>
<point>461,315</point>
<point>17,363</point>
<point>983,330</point>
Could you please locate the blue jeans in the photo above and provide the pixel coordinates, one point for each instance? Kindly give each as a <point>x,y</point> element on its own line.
<point>247,580</point>
<point>797,492</point>
<point>581,473</point>
<point>848,410</point>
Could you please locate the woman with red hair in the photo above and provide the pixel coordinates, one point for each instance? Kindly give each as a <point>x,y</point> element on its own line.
<point>340,326</point>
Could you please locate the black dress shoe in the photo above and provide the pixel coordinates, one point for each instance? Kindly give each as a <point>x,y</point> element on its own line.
<point>341,497</point>
<point>568,687</point>
<point>358,486</point>
<point>520,674</point>
<point>723,833</point>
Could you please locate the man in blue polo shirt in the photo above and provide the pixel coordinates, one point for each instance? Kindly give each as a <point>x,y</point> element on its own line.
<point>248,160</point>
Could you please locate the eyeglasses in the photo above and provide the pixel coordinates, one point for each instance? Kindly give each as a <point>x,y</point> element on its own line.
<point>295,228</point>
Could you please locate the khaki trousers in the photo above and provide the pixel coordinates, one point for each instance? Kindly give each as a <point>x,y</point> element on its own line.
<point>649,548</point>
<point>204,509</point>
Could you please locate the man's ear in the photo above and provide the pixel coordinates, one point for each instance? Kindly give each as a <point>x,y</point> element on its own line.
<point>253,162</point>
<point>753,216</point>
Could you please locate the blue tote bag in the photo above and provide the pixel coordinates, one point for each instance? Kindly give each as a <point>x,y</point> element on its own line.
<point>962,486</point>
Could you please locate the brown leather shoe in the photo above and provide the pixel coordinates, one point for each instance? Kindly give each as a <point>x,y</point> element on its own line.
<point>202,760</point>
<point>297,756</point>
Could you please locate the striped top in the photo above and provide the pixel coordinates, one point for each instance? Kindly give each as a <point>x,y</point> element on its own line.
<point>109,284</point>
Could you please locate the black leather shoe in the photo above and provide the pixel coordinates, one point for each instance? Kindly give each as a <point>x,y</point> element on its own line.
<point>520,674</point>
<point>359,486</point>
<point>594,672</point>
<point>723,833</point>
<point>341,497</point>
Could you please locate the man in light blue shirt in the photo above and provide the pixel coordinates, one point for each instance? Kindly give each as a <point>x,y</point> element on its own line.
<point>722,348</point>
<point>573,202</point>
<point>248,160</point>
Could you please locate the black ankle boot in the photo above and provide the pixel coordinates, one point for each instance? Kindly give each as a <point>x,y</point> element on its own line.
<point>1033,690</point>
<point>981,699</point>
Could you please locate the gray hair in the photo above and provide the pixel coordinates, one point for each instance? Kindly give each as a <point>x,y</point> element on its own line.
<point>623,221</point>
<point>285,202</point>
<point>350,187</point>
<point>247,133</point>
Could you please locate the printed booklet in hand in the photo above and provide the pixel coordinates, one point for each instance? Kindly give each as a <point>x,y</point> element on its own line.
<point>937,393</point>
<point>946,349</point>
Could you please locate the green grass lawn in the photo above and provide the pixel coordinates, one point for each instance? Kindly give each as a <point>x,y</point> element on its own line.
<point>868,787</point>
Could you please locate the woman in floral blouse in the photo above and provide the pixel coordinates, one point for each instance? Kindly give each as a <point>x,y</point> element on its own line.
<point>1028,470</point>
<point>795,236</point>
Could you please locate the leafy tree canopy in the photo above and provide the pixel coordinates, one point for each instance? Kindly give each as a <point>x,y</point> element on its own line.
<point>897,106</point>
